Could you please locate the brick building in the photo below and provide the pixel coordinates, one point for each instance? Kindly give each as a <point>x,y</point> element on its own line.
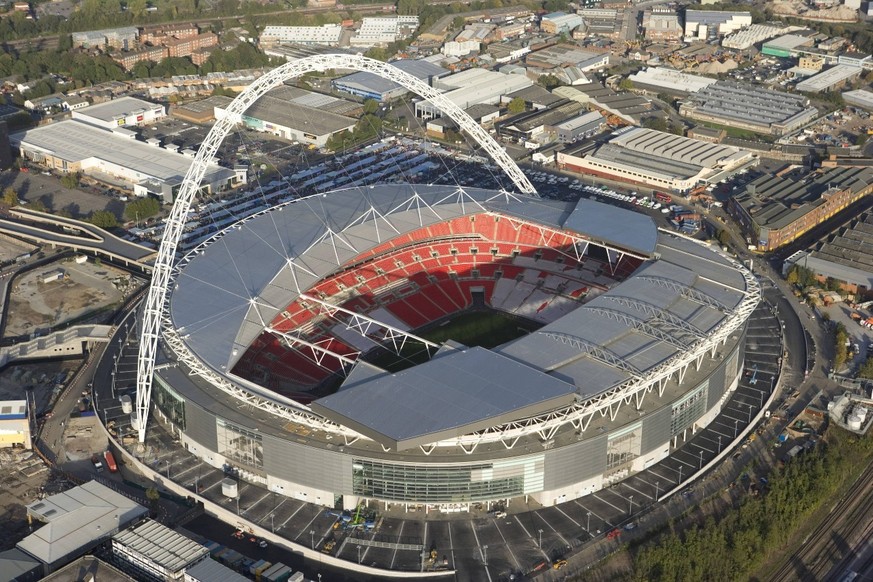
<point>160,33</point>
<point>773,210</point>
<point>129,59</point>
<point>187,46</point>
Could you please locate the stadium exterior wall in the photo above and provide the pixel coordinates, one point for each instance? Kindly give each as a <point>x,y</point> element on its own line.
<point>554,475</point>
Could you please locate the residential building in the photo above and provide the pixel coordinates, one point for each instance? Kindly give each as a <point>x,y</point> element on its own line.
<point>326,35</point>
<point>128,60</point>
<point>157,34</point>
<point>118,38</point>
<point>773,211</point>
<point>185,47</point>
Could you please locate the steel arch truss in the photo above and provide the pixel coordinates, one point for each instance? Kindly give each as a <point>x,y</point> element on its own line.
<point>155,303</point>
<point>648,327</point>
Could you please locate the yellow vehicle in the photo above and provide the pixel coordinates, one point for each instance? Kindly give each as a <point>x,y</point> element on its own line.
<point>559,564</point>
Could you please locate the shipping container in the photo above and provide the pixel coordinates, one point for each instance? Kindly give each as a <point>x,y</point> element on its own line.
<point>110,462</point>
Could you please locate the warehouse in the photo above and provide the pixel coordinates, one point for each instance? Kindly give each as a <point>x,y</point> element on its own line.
<point>860,98</point>
<point>153,551</point>
<point>787,45</point>
<point>472,87</point>
<point>117,158</point>
<point>846,255</point>
<point>777,210</point>
<point>705,24</point>
<point>626,106</point>
<point>536,126</point>
<point>566,55</point>
<point>829,79</point>
<point>749,107</point>
<point>382,31</point>
<point>580,127</point>
<point>292,121</point>
<point>14,424</point>
<point>656,159</point>
<point>202,111</point>
<point>560,23</point>
<point>126,111</point>
<point>664,80</point>
<point>372,86</point>
<point>749,37</point>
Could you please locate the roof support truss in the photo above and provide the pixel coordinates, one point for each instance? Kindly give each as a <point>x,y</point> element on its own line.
<point>662,315</point>
<point>642,325</point>
<point>319,351</point>
<point>687,291</point>
<point>595,351</point>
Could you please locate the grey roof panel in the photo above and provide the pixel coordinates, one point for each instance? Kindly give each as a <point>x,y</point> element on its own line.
<point>629,230</point>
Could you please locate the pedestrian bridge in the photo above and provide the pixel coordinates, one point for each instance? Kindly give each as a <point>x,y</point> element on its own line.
<point>69,342</point>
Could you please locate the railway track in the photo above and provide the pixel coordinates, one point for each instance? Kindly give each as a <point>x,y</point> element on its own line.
<point>829,544</point>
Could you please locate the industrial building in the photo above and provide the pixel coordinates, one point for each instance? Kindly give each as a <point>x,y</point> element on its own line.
<point>860,98</point>
<point>372,86</point>
<point>293,120</point>
<point>580,127</point>
<point>626,106</point>
<point>14,424</point>
<point>472,87</point>
<point>538,126</point>
<point>706,24</point>
<point>152,551</point>
<point>382,31</point>
<point>325,35</point>
<point>776,210</point>
<point>460,49</point>
<point>605,22</point>
<point>121,112</point>
<point>664,80</point>
<point>845,255</point>
<point>662,24</point>
<point>830,79</point>
<point>656,159</point>
<point>75,522</point>
<point>749,107</point>
<point>434,433</point>
<point>558,23</point>
<point>787,45</point>
<point>200,112</point>
<point>116,157</point>
<point>566,55</point>
<point>749,37</point>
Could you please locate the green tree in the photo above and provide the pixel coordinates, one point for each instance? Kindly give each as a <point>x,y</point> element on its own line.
<point>724,237</point>
<point>371,106</point>
<point>549,81</point>
<point>866,370</point>
<point>840,348</point>
<point>103,219</point>
<point>626,84</point>
<point>10,197</point>
<point>657,123</point>
<point>141,208</point>
<point>517,105</point>
<point>70,181</point>
<point>154,498</point>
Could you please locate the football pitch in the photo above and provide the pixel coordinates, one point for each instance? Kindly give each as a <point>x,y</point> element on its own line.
<point>487,329</point>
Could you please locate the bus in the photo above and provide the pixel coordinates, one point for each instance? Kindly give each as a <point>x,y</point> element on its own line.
<point>661,197</point>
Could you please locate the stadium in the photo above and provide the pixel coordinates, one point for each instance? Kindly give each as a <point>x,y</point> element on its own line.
<point>444,346</point>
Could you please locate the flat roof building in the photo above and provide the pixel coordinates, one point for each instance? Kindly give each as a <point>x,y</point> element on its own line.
<point>202,111</point>
<point>372,86</point>
<point>14,424</point>
<point>704,24</point>
<point>560,23</point>
<point>381,31</point>
<point>860,98</point>
<point>662,24</point>
<point>776,210</point>
<point>326,35</point>
<point>116,157</point>
<point>580,127</point>
<point>155,552</point>
<point>76,521</point>
<point>656,159</point>
<point>121,112</point>
<point>749,37</point>
<point>749,107</point>
<point>833,78</point>
<point>662,79</point>
<point>472,87</point>
<point>786,45</point>
<point>565,55</point>
<point>627,106</point>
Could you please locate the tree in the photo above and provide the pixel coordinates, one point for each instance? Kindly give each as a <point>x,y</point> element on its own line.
<point>10,197</point>
<point>70,181</point>
<point>626,84</point>
<point>141,208</point>
<point>154,498</point>
<point>724,237</point>
<point>103,219</point>
<point>549,81</point>
<point>517,105</point>
<point>371,106</point>
<point>657,123</point>
<point>866,370</point>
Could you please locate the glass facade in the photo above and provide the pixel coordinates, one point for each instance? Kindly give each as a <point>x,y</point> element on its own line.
<point>240,444</point>
<point>169,402</point>
<point>689,409</point>
<point>435,484</point>
<point>624,446</point>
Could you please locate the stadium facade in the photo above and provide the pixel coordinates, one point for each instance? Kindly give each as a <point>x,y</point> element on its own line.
<point>640,343</point>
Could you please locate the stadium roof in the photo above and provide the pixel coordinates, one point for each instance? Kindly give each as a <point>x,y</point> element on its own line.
<point>76,519</point>
<point>632,230</point>
<point>252,271</point>
<point>453,394</point>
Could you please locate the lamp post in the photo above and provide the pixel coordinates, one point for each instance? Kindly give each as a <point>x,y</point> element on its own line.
<point>272,526</point>
<point>736,424</point>
<point>630,508</point>
<point>750,413</point>
<point>485,554</point>
<point>701,459</point>
<point>588,528</point>
<point>359,554</point>
<point>719,443</point>
<point>657,489</point>
<point>680,475</point>
<point>168,468</point>
<point>312,538</point>
<point>541,538</point>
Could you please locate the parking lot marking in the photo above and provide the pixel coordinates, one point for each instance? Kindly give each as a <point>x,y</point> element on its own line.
<point>306,527</point>
<point>527,533</point>
<point>567,516</point>
<point>249,508</point>
<point>481,552</point>
<point>625,483</point>
<point>326,533</point>
<point>399,533</point>
<point>602,519</point>
<point>596,496</point>
<point>451,544</point>
<point>424,545</point>
<point>508,547</point>
<point>551,527</point>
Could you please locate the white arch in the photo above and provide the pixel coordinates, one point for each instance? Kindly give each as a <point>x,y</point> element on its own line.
<point>157,295</point>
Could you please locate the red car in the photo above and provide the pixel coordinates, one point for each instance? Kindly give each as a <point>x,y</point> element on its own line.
<point>613,534</point>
